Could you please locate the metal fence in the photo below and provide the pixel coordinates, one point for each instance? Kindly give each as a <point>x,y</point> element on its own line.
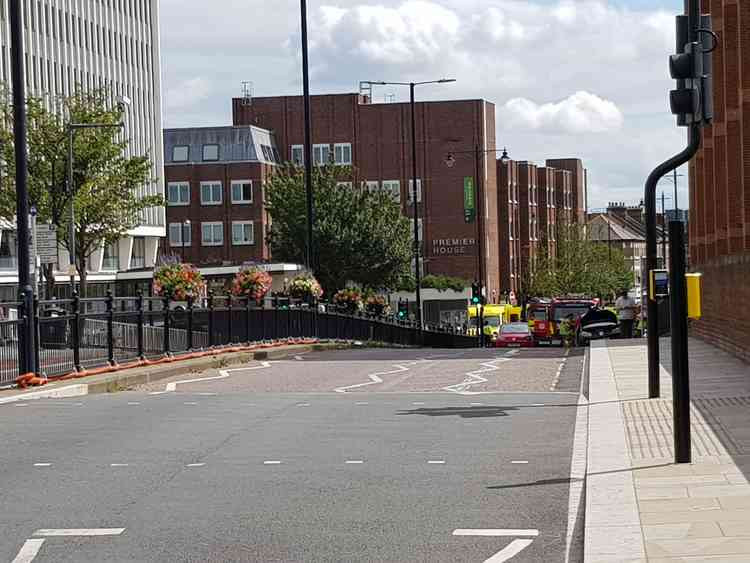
<point>78,334</point>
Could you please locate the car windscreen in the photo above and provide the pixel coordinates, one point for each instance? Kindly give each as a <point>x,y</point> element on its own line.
<point>562,311</point>
<point>515,328</point>
<point>538,315</point>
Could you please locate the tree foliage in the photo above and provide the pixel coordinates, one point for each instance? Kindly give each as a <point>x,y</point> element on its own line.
<point>580,266</point>
<point>359,235</point>
<point>105,181</point>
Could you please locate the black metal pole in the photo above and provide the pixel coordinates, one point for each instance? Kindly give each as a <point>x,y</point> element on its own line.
<point>309,257</point>
<point>680,367</point>
<point>26,356</point>
<point>417,273</point>
<point>675,195</point>
<point>694,141</point>
<point>480,248</point>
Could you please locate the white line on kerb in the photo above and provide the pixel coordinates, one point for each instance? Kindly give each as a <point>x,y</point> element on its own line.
<point>57,532</point>
<point>496,532</point>
<point>42,465</point>
<point>223,374</point>
<point>29,550</point>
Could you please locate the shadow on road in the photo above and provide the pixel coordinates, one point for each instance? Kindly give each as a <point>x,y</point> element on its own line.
<point>463,412</point>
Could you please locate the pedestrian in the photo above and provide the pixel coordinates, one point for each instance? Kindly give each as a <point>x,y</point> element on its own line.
<point>626,308</point>
<point>567,330</point>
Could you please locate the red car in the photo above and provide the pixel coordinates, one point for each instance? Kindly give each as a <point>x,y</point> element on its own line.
<point>515,335</point>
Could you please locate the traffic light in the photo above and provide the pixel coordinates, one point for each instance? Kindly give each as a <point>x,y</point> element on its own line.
<point>476,294</point>
<point>403,309</point>
<point>692,101</point>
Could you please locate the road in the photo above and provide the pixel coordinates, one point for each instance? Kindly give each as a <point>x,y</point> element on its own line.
<point>363,455</point>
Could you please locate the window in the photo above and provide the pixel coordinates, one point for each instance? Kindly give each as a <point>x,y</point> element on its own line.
<point>210,193</point>
<point>111,257</point>
<point>180,153</point>
<point>269,153</point>
<point>394,187</point>
<point>411,191</point>
<point>212,234</point>
<point>344,184</point>
<point>298,155</point>
<point>321,154</point>
<point>342,153</point>
<point>242,191</point>
<point>179,235</point>
<point>178,193</point>
<point>138,256</point>
<point>210,153</point>
<point>371,185</point>
<point>243,233</point>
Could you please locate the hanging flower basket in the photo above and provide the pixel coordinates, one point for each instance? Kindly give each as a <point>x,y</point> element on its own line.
<point>305,287</point>
<point>178,282</point>
<point>252,283</point>
<point>349,300</point>
<point>376,305</point>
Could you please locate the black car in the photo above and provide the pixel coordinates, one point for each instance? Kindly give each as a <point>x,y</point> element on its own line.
<point>597,324</point>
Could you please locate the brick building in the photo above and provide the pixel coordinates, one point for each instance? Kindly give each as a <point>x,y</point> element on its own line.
<point>214,179</point>
<point>376,140</point>
<point>719,228</point>
<point>527,200</point>
<point>578,185</point>
<point>547,211</point>
<point>509,220</point>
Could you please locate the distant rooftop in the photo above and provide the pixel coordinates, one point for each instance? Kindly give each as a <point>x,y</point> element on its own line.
<point>200,145</point>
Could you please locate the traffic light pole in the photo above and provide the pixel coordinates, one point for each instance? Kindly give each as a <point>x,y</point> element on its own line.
<point>479,205</point>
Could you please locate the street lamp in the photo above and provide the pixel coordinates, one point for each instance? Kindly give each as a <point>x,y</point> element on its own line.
<point>185,228</point>
<point>412,85</point>
<point>450,162</point>
<point>673,179</point>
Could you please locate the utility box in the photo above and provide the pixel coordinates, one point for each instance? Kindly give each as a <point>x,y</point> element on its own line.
<point>658,284</point>
<point>694,284</point>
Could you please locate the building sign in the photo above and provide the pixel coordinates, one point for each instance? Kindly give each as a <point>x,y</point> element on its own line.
<point>469,203</point>
<point>452,246</point>
<point>46,243</point>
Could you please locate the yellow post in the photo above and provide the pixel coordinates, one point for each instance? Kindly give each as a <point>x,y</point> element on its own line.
<point>694,291</point>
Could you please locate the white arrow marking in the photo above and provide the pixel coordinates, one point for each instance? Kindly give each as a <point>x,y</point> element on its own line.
<point>29,550</point>
<point>511,550</point>
<point>223,374</point>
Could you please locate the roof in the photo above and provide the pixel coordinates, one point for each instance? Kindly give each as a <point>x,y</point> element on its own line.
<point>236,144</point>
<point>603,228</point>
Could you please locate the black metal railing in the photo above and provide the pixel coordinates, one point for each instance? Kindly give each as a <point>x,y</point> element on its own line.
<point>78,334</point>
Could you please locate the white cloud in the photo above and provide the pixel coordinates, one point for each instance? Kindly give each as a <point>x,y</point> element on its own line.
<point>581,112</point>
<point>188,93</point>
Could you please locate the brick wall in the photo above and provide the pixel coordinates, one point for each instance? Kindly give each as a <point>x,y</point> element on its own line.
<point>547,210</point>
<point>578,187</point>
<point>719,235</point>
<point>509,222</point>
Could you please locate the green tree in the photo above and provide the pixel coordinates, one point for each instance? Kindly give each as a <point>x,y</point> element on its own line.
<point>105,182</point>
<point>359,236</point>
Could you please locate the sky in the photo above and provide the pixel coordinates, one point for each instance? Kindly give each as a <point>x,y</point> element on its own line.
<point>569,78</point>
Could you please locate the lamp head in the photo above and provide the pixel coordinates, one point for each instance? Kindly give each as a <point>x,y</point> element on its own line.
<point>505,158</point>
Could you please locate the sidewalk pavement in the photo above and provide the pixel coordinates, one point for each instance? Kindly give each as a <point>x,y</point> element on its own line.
<point>640,506</point>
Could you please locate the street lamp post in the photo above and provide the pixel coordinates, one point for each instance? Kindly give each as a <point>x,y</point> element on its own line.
<point>307,149</point>
<point>412,86</point>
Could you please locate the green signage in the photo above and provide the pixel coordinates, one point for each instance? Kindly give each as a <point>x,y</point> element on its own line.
<point>469,203</point>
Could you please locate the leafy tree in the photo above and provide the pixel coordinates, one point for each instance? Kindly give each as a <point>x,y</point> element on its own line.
<point>360,236</point>
<point>105,182</point>
<point>580,266</point>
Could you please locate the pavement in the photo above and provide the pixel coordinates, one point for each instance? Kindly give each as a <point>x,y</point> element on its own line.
<point>356,455</point>
<point>640,506</point>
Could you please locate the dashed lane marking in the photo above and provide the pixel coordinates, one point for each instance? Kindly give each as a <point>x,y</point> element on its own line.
<point>29,550</point>
<point>519,461</point>
<point>354,461</point>
<point>418,403</point>
<point>436,461</point>
<point>195,465</point>
<point>361,404</point>
<point>133,403</point>
<point>42,465</point>
<point>223,374</point>
<point>496,533</point>
<point>190,403</point>
<point>118,465</point>
<point>272,462</point>
<point>302,404</point>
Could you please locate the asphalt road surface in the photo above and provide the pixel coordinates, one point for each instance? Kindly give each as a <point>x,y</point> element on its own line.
<point>369,455</point>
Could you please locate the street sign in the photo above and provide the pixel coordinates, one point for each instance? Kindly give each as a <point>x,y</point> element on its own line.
<point>46,243</point>
<point>469,202</point>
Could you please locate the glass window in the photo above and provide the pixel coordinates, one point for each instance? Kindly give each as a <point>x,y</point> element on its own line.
<point>342,153</point>
<point>242,191</point>
<point>298,155</point>
<point>178,193</point>
<point>321,154</point>
<point>212,234</point>
<point>371,185</point>
<point>111,256</point>
<point>180,153</point>
<point>394,187</point>
<point>410,195</point>
<point>243,233</point>
<point>138,256</point>
<point>179,232</point>
<point>344,184</point>
<point>210,153</point>
<point>210,193</point>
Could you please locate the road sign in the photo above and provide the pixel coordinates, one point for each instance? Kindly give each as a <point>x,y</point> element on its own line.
<point>469,203</point>
<point>46,243</point>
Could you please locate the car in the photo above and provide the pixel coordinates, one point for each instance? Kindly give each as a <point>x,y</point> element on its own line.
<point>515,335</point>
<point>597,324</point>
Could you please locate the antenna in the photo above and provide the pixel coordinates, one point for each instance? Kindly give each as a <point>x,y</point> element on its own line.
<point>247,93</point>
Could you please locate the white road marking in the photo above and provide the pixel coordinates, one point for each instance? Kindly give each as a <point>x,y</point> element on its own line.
<point>223,374</point>
<point>22,405</point>
<point>374,378</point>
<point>303,404</point>
<point>59,532</point>
<point>511,550</point>
<point>417,403</point>
<point>191,403</point>
<point>475,377</point>
<point>29,550</point>
<point>298,358</point>
<point>519,461</point>
<point>195,465</point>
<point>133,403</point>
<point>537,404</point>
<point>272,462</point>
<point>207,394</point>
<point>75,390</point>
<point>354,461</point>
<point>362,403</point>
<point>530,533</point>
<point>476,404</point>
<point>118,464</point>
<point>42,465</point>
<point>436,461</point>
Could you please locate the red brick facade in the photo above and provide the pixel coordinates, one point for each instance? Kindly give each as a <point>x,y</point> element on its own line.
<point>528,204</point>
<point>720,187</point>
<point>509,221</point>
<point>547,211</point>
<point>578,186</point>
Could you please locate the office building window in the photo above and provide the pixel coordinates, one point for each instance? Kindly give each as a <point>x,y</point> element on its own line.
<point>178,193</point>
<point>210,153</point>
<point>179,235</point>
<point>138,256</point>
<point>410,195</point>
<point>342,153</point>
<point>243,233</point>
<point>180,153</point>
<point>321,154</point>
<point>242,191</point>
<point>298,155</point>
<point>111,257</point>
<point>212,234</point>
<point>210,193</point>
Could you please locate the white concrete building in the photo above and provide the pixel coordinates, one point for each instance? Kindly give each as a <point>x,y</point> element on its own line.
<point>92,44</point>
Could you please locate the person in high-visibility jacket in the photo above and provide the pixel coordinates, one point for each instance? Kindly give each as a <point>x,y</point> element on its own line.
<point>568,330</point>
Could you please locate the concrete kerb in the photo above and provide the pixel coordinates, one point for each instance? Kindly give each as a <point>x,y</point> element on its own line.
<point>119,381</point>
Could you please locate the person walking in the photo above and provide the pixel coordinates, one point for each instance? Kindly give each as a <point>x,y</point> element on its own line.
<point>626,309</point>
